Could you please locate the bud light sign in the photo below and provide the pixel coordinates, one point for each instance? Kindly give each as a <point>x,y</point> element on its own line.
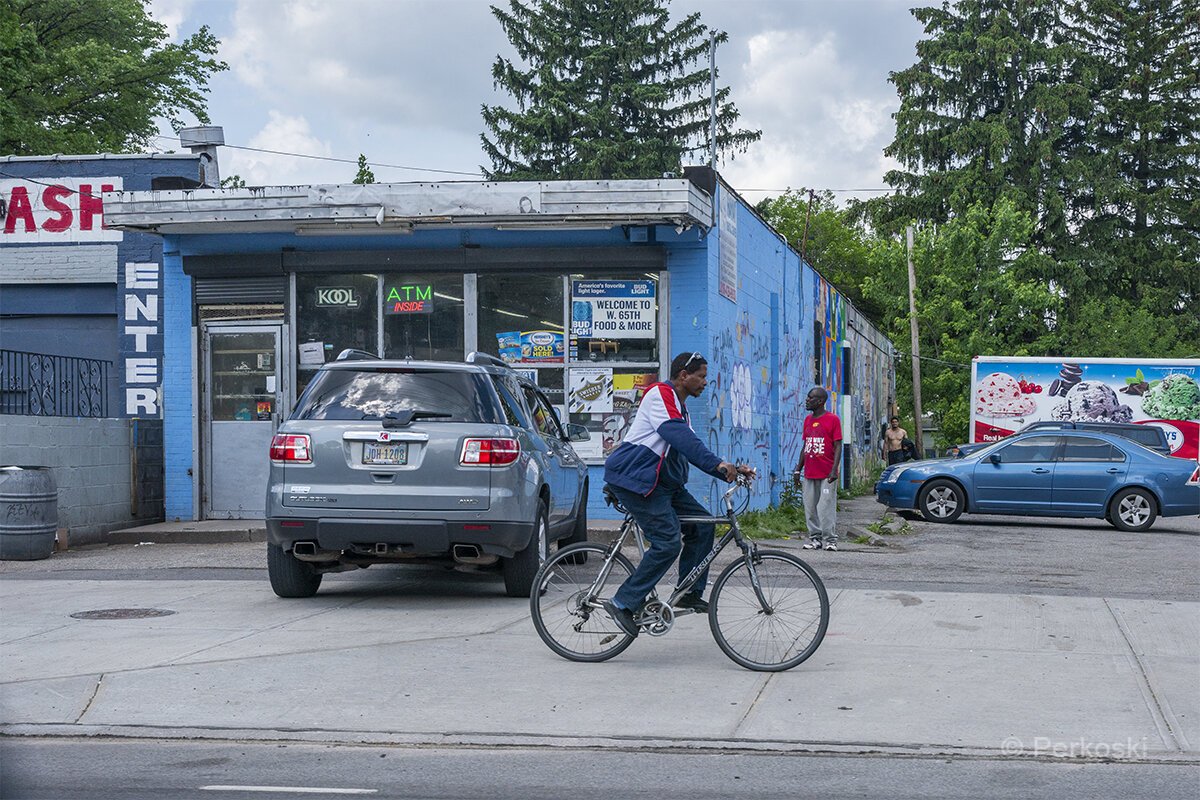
<point>613,309</point>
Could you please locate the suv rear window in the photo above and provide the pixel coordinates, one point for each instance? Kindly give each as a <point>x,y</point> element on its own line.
<point>373,393</point>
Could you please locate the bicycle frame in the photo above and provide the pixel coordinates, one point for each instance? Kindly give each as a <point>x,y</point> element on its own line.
<point>748,548</point>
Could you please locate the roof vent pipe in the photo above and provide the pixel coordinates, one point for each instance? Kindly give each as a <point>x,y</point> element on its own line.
<point>203,140</point>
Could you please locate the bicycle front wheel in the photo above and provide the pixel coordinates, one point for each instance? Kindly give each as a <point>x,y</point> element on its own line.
<point>565,606</point>
<point>780,636</point>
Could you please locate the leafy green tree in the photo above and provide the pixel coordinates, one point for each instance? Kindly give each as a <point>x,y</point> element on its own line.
<point>233,182</point>
<point>365,175</point>
<point>836,244</point>
<point>979,292</point>
<point>87,76</point>
<point>604,89</point>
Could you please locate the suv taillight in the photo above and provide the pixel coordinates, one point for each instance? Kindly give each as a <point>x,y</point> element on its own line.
<point>291,447</point>
<point>489,452</point>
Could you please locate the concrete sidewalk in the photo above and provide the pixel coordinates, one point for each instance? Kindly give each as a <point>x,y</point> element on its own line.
<point>430,657</point>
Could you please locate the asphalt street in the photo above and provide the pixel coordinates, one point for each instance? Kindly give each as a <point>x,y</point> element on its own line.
<point>144,770</point>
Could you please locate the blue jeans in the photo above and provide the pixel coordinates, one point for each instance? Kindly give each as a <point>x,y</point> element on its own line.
<point>658,515</point>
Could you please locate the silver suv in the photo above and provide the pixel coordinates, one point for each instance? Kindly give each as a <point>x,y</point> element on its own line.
<point>390,462</point>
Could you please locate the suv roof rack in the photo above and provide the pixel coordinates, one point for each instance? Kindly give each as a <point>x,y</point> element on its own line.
<point>477,357</point>
<point>351,354</point>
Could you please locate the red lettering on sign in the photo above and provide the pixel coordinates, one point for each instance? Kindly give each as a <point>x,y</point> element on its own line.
<point>90,205</point>
<point>19,207</point>
<point>50,199</point>
<point>412,305</point>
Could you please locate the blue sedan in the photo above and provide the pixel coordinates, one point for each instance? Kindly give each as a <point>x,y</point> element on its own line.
<point>1049,474</point>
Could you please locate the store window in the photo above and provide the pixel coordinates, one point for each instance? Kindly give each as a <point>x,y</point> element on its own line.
<point>423,317</point>
<point>616,332</point>
<point>521,319</point>
<point>615,318</point>
<point>333,313</point>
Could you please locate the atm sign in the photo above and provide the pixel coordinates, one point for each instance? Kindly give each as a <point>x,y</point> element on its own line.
<point>408,299</point>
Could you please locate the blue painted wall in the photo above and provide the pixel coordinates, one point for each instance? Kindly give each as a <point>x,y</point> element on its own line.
<point>86,320</point>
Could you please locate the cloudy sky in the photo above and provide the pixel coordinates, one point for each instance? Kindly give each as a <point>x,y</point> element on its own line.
<point>402,81</point>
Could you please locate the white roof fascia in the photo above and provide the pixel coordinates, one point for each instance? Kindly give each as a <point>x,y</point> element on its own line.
<point>387,208</point>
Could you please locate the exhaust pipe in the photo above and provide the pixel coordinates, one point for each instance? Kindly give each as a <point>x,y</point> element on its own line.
<point>308,551</point>
<point>471,554</point>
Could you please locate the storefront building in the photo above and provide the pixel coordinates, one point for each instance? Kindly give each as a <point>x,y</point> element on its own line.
<point>590,288</point>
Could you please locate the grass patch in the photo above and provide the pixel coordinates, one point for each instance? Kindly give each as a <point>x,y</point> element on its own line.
<point>861,539</point>
<point>775,522</point>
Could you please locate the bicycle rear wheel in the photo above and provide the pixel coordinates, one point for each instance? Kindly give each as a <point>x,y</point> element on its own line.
<point>564,610</point>
<point>781,639</point>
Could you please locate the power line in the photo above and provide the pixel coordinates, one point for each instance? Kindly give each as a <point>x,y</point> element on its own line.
<point>338,160</point>
<point>50,185</point>
<point>790,189</point>
<point>935,360</point>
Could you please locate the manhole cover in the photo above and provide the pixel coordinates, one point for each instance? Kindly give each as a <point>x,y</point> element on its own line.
<point>122,613</point>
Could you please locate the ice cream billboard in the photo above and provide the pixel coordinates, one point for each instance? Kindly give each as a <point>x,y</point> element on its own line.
<point>1009,393</point>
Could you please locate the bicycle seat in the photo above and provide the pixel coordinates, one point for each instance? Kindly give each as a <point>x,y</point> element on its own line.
<point>610,498</point>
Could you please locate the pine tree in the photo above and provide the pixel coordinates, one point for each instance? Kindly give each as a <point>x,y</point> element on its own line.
<point>606,89</point>
<point>1135,157</point>
<point>982,113</point>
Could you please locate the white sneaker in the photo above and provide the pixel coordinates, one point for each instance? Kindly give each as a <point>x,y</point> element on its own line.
<point>812,544</point>
<point>831,546</point>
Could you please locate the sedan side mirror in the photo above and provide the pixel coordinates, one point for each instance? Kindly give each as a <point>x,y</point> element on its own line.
<point>994,458</point>
<point>578,433</point>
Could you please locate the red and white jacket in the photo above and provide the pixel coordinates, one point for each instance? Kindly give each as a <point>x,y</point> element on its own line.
<point>661,422</point>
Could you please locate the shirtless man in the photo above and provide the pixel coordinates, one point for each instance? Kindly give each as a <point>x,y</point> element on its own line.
<point>893,439</point>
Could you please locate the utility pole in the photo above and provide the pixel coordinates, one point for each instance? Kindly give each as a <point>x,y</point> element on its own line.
<point>916,347</point>
<point>808,214</point>
<point>712,102</point>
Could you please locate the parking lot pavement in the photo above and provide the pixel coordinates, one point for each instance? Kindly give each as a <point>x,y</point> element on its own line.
<point>427,656</point>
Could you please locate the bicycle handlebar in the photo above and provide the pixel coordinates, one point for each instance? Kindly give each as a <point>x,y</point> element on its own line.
<point>738,482</point>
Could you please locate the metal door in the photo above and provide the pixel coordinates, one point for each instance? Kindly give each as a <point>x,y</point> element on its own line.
<point>241,399</point>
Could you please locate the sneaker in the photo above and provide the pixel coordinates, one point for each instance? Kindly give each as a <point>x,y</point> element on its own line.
<point>622,616</point>
<point>831,546</point>
<point>812,544</point>
<point>692,602</point>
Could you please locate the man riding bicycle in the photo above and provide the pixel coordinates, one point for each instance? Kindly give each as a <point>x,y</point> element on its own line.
<point>648,472</point>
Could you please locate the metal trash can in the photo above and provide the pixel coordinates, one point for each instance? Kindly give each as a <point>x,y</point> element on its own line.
<point>28,513</point>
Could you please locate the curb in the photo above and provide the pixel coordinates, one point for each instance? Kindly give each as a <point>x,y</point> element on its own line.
<point>454,740</point>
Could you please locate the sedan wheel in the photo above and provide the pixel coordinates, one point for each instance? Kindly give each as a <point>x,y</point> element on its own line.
<point>941,501</point>
<point>1132,510</point>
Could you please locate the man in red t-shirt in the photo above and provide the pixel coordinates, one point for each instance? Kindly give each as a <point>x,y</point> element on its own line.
<point>817,470</point>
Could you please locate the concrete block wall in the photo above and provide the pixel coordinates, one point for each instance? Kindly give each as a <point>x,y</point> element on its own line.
<point>90,460</point>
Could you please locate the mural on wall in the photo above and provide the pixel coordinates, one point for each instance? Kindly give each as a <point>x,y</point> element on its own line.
<point>763,355</point>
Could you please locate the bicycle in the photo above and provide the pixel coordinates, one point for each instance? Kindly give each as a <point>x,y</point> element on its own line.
<point>768,610</point>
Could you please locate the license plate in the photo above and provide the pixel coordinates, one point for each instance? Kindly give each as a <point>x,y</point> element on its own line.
<point>391,455</point>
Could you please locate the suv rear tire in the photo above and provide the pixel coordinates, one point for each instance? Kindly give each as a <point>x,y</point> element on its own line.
<point>522,568</point>
<point>290,577</point>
